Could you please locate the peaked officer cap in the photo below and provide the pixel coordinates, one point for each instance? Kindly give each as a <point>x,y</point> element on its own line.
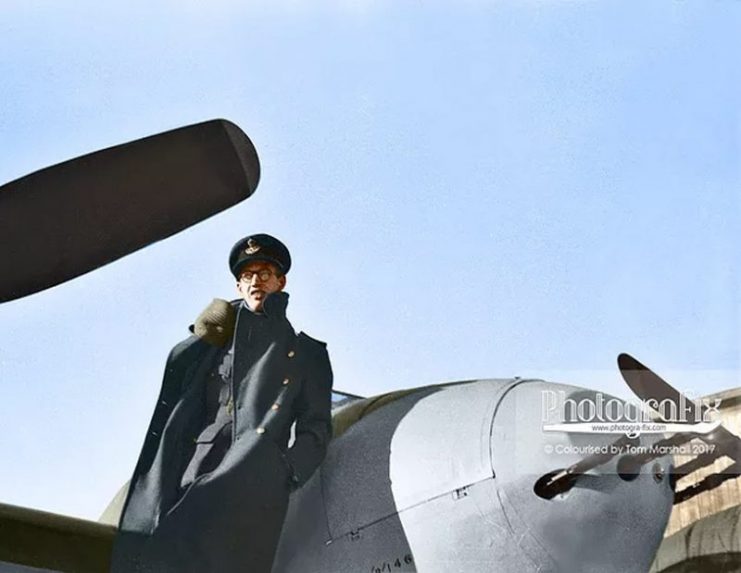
<point>260,247</point>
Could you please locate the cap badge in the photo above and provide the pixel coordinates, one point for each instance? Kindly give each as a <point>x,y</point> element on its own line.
<point>252,247</point>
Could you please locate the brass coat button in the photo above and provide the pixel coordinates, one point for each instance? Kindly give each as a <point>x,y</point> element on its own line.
<point>286,382</point>
<point>291,354</point>
<point>275,406</point>
<point>260,430</point>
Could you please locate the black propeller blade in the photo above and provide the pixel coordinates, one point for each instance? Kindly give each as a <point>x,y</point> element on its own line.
<point>66,220</point>
<point>648,385</point>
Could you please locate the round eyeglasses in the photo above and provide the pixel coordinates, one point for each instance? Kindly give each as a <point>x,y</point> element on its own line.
<point>262,274</point>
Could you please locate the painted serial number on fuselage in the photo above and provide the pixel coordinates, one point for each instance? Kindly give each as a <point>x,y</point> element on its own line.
<point>394,565</point>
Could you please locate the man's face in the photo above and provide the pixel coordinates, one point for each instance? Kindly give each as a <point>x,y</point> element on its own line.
<point>256,281</point>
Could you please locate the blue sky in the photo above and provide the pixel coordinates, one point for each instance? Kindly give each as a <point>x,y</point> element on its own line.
<point>470,189</point>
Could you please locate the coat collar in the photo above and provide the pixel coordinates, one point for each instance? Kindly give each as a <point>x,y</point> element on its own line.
<point>274,306</point>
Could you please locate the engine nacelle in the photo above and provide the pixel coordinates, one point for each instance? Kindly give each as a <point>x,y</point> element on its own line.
<point>440,479</point>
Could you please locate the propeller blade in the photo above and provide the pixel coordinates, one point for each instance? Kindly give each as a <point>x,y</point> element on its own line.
<point>695,464</point>
<point>709,483</point>
<point>562,480</point>
<point>66,220</point>
<point>648,385</point>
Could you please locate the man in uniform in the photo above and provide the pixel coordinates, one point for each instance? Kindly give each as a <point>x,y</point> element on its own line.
<point>210,490</point>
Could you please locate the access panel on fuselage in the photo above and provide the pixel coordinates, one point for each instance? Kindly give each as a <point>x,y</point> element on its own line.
<point>425,444</point>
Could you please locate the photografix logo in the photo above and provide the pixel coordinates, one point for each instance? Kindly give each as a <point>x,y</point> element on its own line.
<point>596,414</point>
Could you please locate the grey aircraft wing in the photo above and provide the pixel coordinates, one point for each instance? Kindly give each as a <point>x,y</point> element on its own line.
<point>32,541</point>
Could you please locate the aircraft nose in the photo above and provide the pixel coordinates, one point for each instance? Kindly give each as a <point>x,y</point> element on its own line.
<point>613,506</point>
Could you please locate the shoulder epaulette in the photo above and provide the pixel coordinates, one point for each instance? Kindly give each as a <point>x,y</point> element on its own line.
<point>311,341</point>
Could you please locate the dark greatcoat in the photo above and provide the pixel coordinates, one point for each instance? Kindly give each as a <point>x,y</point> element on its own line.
<point>229,519</point>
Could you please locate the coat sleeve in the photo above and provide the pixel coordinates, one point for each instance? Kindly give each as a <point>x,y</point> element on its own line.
<point>148,487</point>
<point>313,417</point>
